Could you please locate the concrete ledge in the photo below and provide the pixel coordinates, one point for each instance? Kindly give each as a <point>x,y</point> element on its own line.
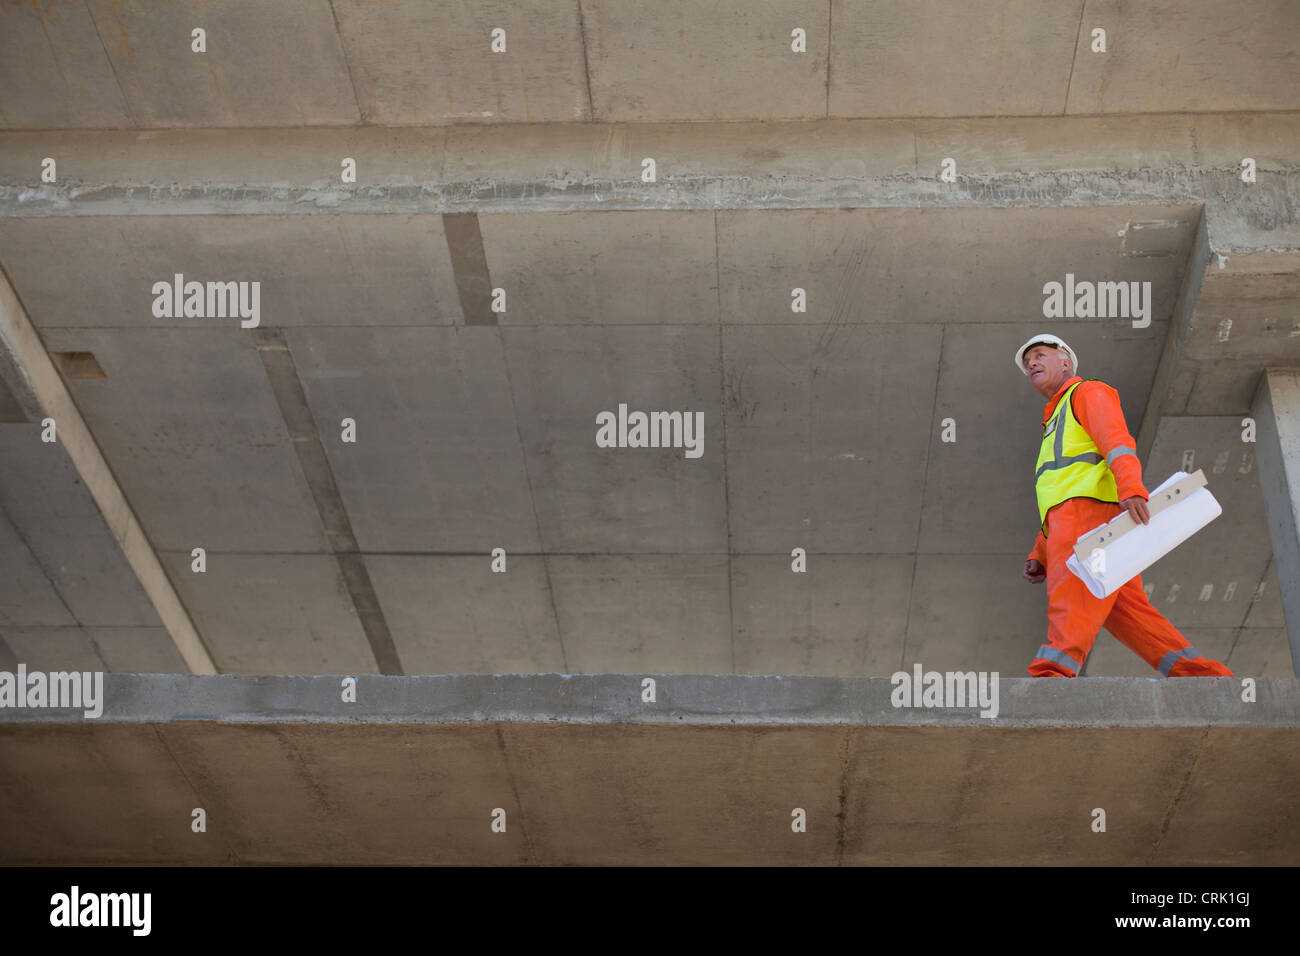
<point>715,700</point>
<point>718,771</point>
<point>552,167</point>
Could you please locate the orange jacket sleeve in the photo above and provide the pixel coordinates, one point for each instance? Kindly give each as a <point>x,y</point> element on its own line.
<point>1098,409</point>
<point>1039,553</point>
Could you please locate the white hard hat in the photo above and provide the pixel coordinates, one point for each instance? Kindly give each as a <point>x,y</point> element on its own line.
<point>1055,341</point>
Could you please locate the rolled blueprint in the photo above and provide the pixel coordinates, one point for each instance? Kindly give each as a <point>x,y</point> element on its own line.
<point>1114,553</point>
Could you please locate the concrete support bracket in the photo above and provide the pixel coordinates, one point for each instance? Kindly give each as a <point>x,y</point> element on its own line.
<point>1276,410</point>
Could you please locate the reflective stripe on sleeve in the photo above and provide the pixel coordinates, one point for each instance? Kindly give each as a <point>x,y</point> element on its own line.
<point>1120,450</point>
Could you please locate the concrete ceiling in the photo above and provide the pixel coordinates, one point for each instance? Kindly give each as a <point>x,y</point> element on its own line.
<point>114,64</point>
<point>822,431</point>
<point>476,428</point>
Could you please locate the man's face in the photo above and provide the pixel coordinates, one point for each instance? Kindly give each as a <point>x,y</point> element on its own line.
<point>1048,367</point>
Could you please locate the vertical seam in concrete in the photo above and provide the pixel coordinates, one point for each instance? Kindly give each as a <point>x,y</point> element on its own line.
<point>199,800</point>
<point>514,789</point>
<point>347,63</point>
<point>726,487</point>
<point>1178,798</point>
<point>126,102</point>
<point>717,267</point>
<point>1187,399</point>
<point>1078,33</point>
<point>841,815</point>
<point>925,480</point>
<point>469,267</point>
<point>830,18</point>
<point>300,768</point>
<point>532,498</point>
<point>907,622</point>
<point>94,645</point>
<point>586,68</point>
<point>1253,598</point>
<point>1255,591</point>
<point>304,434</point>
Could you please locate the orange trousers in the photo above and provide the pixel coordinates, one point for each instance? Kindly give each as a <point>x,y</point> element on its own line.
<point>1074,615</point>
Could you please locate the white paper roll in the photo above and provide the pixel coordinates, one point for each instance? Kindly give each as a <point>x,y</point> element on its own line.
<point>1133,552</point>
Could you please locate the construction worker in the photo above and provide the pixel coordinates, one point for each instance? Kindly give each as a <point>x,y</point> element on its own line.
<point>1087,473</point>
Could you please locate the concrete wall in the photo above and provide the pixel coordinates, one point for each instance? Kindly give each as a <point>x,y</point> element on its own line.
<point>588,773</point>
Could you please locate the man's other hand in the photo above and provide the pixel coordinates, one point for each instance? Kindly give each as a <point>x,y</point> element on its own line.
<point>1137,509</point>
<point>1034,571</point>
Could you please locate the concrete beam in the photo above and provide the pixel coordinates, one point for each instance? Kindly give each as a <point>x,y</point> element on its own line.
<point>710,773</point>
<point>1043,161</point>
<point>17,398</point>
<point>301,424</point>
<point>42,383</point>
<point>696,699</point>
<point>1180,325</point>
<point>1277,420</point>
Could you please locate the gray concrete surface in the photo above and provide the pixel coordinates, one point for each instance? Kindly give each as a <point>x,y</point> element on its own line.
<point>522,171</point>
<point>348,62</point>
<point>56,512</point>
<point>554,167</point>
<point>474,438</point>
<point>708,774</point>
<point>43,495</point>
<point>1277,409</point>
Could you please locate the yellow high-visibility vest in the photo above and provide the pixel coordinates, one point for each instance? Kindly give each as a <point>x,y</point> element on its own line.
<point>1070,465</point>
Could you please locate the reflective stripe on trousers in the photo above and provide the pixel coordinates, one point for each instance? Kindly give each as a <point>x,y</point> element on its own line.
<point>1169,660</point>
<point>1049,653</point>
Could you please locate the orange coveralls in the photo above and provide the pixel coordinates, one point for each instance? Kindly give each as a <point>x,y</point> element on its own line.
<point>1073,614</point>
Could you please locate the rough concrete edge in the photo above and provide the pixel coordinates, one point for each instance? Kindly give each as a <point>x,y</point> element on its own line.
<point>24,344</point>
<point>1180,326</point>
<point>1041,188</point>
<point>1058,189</point>
<point>15,377</point>
<point>569,167</point>
<point>1280,486</point>
<point>685,699</point>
